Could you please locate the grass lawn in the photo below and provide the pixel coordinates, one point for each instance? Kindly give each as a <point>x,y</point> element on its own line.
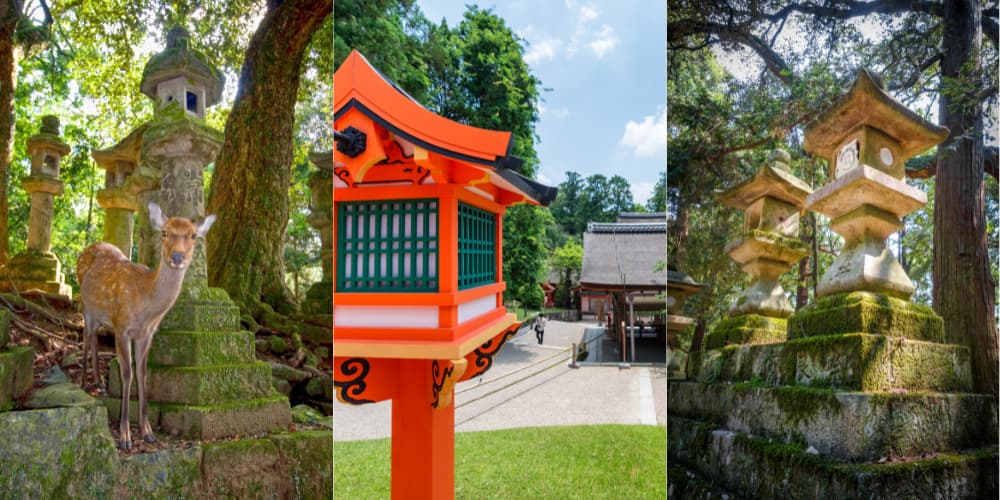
<point>587,461</point>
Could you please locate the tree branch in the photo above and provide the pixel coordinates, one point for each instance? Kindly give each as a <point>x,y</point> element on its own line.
<point>678,31</point>
<point>925,167</point>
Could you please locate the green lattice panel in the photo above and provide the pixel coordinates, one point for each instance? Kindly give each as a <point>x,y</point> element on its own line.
<point>387,246</point>
<point>476,247</point>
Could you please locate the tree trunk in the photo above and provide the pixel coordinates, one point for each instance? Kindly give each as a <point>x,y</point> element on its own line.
<point>8,85</point>
<point>249,190</point>
<point>963,286</point>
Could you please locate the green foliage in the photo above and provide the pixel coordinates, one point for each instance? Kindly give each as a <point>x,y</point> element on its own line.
<point>524,253</point>
<point>594,199</point>
<point>567,262</point>
<point>658,201</point>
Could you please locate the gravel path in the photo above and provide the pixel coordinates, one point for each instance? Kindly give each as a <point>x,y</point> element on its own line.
<point>557,396</point>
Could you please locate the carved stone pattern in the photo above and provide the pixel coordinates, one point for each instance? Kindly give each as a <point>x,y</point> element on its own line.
<point>355,386</point>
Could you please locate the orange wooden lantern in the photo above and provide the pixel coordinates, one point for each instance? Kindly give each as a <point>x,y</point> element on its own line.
<point>418,294</point>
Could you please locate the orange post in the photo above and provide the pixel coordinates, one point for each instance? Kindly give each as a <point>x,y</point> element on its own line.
<point>423,437</point>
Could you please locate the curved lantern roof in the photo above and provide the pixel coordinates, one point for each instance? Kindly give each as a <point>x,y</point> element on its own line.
<point>358,86</point>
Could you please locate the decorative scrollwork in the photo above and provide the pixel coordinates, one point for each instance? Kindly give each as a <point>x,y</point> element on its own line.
<point>484,353</point>
<point>356,386</point>
<point>344,176</point>
<point>438,381</point>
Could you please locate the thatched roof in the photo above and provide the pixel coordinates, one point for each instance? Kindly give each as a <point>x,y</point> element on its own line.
<point>624,256</point>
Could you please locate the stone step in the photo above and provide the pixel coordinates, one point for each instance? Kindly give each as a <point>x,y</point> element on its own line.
<point>200,385</point>
<point>686,483</point>
<point>843,425</point>
<point>239,418</point>
<point>4,327</point>
<point>191,348</point>
<point>759,468</point>
<point>856,361</point>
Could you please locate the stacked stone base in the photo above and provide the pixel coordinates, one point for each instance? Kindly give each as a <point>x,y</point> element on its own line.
<point>34,271</point>
<point>863,384</point>
<point>204,380</point>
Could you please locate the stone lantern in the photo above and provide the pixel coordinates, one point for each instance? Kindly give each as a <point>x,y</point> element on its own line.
<point>771,201</point>
<point>37,267</point>
<point>118,197</point>
<point>319,298</point>
<point>204,380</point>
<point>866,136</point>
<point>679,287</point>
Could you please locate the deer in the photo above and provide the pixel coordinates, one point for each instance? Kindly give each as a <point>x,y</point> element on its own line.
<point>130,299</point>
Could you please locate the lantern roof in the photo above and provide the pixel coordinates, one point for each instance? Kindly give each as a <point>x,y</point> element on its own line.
<point>128,149</point>
<point>866,103</point>
<point>774,179</point>
<point>358,86</point>
<point>179,59</point>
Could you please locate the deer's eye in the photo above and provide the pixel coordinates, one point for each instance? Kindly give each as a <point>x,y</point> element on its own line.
<point>164,234</point>
<point>192,236</point>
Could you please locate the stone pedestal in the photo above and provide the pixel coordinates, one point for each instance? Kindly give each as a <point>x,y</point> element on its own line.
<point>37,267</point>
<point>17,364</point>
<point>118,205</point>
<point>679,287</point>
<point>204,380</point>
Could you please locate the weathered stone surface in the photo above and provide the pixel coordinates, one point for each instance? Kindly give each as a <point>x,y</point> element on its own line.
<point>277,344</point>
<point>213,317</point>
<point>19,373</point>
<point>200,385</point>
<point>758,468</point>
<point>59,395</point>
<point>288,373</point>
<point>70,454</point>
<point>746,329</point>
<point>114,406</point>
<point>852,361</point>
<point>863,312</point>
<point>181,348</point>
<point>685,483</point>
<point>308,458</point>
<point>281,385</point>
<point>171,473</point>
<point>844,425</point>
<point>242,417</point>
<point>243,469</point>
<point>305,414</point>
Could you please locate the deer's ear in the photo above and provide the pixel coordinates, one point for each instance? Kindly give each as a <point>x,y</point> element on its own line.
<point>156,216</point>
<point>204,226</point>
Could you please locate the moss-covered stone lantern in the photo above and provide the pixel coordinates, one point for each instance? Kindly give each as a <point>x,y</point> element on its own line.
<point>204,380</point>
<point>679,287</point>
<point>118,198</point>
<point>866,136</point>
<point>771,201</point>
<point>37,267</point>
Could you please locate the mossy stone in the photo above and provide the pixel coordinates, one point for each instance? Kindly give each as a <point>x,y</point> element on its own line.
<point>170,473</point>
<point>243,469</point>
<point>200,385</point>
<point>247,416</point>
<point>210,317</point>
<point>20,366</point>
<point>762,468</point>
<point>181,348</point>
<point>308,458</point>
<point>864,312</point>
<point>4,327</point>
<point>277,344</point>
<point>746,329</point>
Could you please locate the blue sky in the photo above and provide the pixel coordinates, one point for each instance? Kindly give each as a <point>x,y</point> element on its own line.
<point>605,63</point>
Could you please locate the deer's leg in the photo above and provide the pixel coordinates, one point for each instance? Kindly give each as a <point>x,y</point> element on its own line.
<point>123,345</point>
<point>141,351</point>
<point>88,325</point>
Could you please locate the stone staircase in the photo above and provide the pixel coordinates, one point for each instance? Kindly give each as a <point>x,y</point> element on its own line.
<point>835,414</point>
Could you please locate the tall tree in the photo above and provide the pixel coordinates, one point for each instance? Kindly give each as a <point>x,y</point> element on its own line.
<point>619,195</point>
<point>964,290</point>
<point>658,201</point>
<point>566,209</point>
<point>249,188</point>
<point>18,36</point>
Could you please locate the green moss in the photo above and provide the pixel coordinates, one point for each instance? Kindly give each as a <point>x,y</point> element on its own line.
<point>746,329</point>
<point>863,312</point>
<point>781,240</point>
<point>800,403</point>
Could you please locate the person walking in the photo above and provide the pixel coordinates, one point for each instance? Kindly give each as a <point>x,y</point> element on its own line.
<point>540,327</point>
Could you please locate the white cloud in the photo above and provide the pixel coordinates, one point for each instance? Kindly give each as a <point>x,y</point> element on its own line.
<point>561,112</point>
<point>642,191</point>
<point>544,179</point>
<point>647,138</point>
<point>588,13</point>
<point>543,50</point>
<point>605,41</point>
